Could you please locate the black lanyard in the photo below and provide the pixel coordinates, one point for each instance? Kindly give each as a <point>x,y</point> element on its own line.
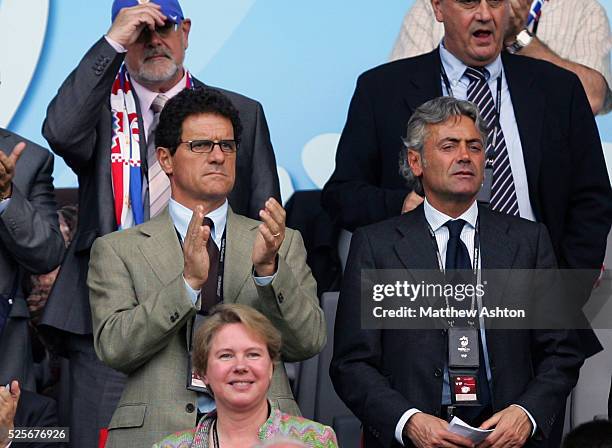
<point>497,126</point>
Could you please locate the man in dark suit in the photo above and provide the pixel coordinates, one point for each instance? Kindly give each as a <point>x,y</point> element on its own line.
<point>555,153</point>
<point>396,381</point>
<point>101,122</point>
<point>30,241</point>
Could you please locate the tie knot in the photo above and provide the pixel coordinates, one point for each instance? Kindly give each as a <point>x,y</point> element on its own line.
<point>209,222</point>
<point>476,74</point>
<point>454,227</point>
<point>158,103</point>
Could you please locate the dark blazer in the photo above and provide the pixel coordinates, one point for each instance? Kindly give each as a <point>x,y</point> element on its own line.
<point>35,410</point>
<point>30,240</point>
<point>380,374</point>
<point>568,183</point>
<point>78,128</point>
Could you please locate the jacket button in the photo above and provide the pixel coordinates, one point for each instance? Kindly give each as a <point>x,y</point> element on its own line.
<point>438,373</point>
<point>190,408</point>
<point>281,299</point>
<point>176,315</point>
<point>172,319</point>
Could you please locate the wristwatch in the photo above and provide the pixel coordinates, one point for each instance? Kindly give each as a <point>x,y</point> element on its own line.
<point>523,39</point>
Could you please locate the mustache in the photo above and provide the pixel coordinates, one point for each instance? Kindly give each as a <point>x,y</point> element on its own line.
<point>157,51</point>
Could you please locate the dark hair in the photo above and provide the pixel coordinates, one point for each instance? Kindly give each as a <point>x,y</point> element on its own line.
<point>593,434</point>
<point>188,102</point>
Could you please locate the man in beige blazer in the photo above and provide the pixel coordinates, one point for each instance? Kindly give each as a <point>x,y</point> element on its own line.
<point>148,283</point>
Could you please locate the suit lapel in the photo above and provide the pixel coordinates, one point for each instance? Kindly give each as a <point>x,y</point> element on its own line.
<point>162,249</point>
<point>528,104</point>
<point>424,83</point>
<point>241,233</point>
<point>415,249</point>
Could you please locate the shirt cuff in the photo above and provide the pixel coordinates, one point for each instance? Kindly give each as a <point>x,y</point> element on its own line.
<point>193,293</point>
<point>116,45</point>
<point>4,204</point>
<point>264,281</point>
<point>533,423</point>
<point>399,428</point>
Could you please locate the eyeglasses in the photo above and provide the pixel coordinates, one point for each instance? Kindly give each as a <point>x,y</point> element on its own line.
<point>472,4</point>
<point>207,146</point>
<point>162,31</point>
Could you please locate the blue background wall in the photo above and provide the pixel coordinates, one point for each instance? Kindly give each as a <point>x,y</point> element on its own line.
<point>300,59</point>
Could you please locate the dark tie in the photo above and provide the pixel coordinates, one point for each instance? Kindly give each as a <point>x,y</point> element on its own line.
<point>503,192</point>
<point>458,257</point>
<point>209,290</point>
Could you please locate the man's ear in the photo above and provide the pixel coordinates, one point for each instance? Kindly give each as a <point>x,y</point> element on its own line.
<point>165,159</point>
<point>416,162</point>
<point>435,4</point>
<point>185,28</point>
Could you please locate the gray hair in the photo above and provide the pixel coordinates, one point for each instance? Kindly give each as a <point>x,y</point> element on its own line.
<point>434,111</point>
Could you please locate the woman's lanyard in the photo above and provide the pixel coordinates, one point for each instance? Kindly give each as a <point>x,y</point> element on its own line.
<point>496,126</point>
<point>215,435</point>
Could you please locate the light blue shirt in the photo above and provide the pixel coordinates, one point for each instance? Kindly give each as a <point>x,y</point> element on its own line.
<point>436,220</point>
<point>4,204</point>
<point>181,216</point>
<point>455,71</point>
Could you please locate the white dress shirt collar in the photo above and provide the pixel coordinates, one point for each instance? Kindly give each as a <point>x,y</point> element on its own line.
<point>455,68</point>
<point>181,216</point>
<point>437,219</point>
<point>146,96</point>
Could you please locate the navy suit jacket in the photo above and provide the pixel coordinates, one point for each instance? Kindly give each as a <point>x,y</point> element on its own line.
<point>380,374</point>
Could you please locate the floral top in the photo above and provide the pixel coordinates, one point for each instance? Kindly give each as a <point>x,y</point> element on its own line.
<point>279,424</point>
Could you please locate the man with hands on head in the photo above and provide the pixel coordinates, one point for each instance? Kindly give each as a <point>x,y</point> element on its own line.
<point>148,284</point>
<point>30,242</point>
<point>102,122</point>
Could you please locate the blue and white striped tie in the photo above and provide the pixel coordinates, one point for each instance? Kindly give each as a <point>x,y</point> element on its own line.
<point>503,192</point>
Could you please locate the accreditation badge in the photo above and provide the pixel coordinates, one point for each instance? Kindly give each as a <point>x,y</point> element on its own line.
<point>463,364</point>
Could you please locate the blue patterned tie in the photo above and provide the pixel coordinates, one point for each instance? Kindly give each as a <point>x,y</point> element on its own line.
<point>503,194</point>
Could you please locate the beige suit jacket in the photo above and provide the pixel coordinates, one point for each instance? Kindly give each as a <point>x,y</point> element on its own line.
<point>142,315</point>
